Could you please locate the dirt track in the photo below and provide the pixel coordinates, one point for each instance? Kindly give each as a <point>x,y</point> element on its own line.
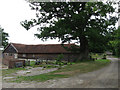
<point>106,77</point>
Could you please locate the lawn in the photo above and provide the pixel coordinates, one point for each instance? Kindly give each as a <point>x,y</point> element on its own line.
<point>67,71</point>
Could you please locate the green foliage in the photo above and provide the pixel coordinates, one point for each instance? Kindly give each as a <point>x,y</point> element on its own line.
<point>4,36</point>
<point>88,23</point>
<point>32,63</point>
<point>104,56</point>
<point>59,59</point>
<point>115,43</point>
<point>97,55</point>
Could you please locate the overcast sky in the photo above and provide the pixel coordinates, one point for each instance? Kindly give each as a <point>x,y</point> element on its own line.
<point>12,12</point>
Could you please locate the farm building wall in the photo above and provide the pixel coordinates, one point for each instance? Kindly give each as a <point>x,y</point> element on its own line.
<point>66,57</point>
<point>8,55</point>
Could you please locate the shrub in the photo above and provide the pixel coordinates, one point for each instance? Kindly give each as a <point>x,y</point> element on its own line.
<point>59,60</point>
<point>104,56</point>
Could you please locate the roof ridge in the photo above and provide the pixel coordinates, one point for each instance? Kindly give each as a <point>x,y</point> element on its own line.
<point>41,44</point>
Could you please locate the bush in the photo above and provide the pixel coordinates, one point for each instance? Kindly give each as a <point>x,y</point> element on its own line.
<point>104,56</point>
<point>59,60</point>
<point>69,63</point>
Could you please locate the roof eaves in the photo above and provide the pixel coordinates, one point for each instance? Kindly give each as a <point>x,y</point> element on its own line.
<point>6,47</point>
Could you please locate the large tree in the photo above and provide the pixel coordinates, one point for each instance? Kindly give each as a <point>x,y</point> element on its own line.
<point>3,37</point>
<point>88,23</point>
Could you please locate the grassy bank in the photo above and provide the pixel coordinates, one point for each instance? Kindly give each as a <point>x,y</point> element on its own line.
<point>83,67</point>
<point>67,71</point>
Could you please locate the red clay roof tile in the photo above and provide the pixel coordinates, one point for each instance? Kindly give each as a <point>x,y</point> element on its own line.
<point>42,48</point>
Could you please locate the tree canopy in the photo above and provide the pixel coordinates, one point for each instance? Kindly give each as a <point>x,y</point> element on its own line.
<point>88,23</point>
<point>4,37</point>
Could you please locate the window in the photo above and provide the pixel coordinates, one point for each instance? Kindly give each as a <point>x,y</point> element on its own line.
<point>24,55</point>
<point>15,55</point>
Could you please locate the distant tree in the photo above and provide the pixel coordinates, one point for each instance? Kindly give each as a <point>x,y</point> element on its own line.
<point>86,22</point>
<point>115,43</point>
<point>4,37</point>
<point>100,45</point>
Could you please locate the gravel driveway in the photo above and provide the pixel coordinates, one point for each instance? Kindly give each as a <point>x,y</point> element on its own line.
<point>34,71</point>
<point>106,77</point>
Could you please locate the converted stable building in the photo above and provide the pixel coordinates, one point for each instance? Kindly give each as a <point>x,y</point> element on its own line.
<point>19,52</point>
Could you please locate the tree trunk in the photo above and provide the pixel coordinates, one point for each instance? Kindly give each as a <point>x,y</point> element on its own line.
<point>84,51</point>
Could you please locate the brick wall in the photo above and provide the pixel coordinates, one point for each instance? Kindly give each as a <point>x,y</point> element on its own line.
<point>8,55</point>
<point>11,62</point>
<point>5,61</point>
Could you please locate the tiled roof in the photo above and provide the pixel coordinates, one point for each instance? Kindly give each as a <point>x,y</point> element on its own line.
<point>42,48</point>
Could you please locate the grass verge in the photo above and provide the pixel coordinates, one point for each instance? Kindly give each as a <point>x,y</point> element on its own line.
<point>67,71</point>
<point>38,78</point>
